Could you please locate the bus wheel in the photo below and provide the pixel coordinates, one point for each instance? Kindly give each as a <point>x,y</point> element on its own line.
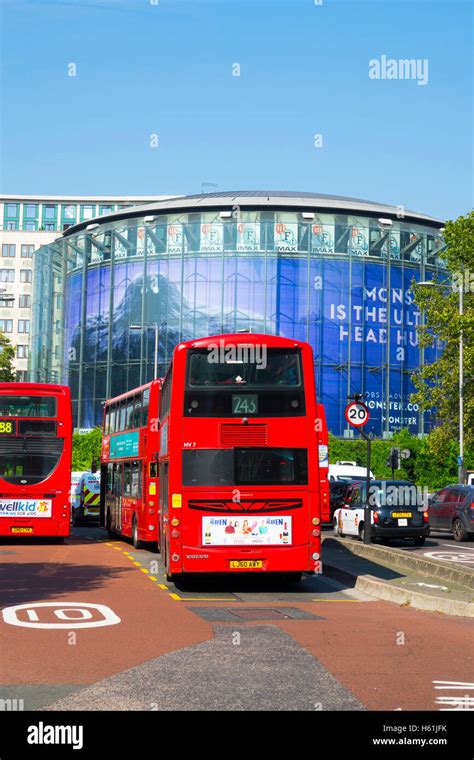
<point>135,540</point>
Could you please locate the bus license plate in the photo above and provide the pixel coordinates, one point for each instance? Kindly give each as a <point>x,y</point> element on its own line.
<point>22,530</point>
<point>246,564</point>
<point>402,514</point>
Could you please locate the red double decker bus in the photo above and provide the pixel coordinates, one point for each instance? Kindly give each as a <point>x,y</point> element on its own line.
<point>35,459</point>
<point>129,465</point>
<point>239,476</point>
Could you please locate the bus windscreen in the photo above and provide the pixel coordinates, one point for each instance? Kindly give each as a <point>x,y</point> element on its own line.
<point>27,406</point>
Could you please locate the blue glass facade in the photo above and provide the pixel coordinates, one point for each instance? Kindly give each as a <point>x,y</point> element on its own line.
<point>341,281</point>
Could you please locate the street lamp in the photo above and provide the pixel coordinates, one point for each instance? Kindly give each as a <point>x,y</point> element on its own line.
<point>156,327</point>
<point>431,284</point>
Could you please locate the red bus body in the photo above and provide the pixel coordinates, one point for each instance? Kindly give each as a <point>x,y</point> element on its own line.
<point>35,459</point>
<point>240,484</point>
<point>129,464</point>
<point>323,457</point>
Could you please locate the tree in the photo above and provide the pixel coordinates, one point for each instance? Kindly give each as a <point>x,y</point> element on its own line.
<point>7,355</point>
<point>438,383</point>
<point>85,448</point>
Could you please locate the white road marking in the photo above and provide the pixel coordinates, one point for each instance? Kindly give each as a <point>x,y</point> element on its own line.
<point>456,702</point>
<point>101,615</point>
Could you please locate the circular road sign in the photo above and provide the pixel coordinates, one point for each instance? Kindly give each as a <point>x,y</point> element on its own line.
<point>357,414</point>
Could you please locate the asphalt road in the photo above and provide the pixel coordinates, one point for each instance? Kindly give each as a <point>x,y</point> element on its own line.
<point>231,644</point>
<point>439,546</point>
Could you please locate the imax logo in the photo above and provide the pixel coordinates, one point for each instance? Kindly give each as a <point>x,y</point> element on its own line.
<point>401,68</point>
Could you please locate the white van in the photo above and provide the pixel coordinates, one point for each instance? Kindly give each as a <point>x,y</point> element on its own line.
<point>87,499</point>
<point>75,492</point>
<point>348,471</point>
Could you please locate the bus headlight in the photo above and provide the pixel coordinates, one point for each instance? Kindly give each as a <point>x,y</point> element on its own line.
<point>315,520</point>
<point>315,555</point>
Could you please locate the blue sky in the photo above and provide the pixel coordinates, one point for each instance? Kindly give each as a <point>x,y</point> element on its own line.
<point>166,69</point>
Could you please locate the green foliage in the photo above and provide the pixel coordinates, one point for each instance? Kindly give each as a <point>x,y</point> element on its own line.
<point>433,460</point>
<point>7,355</point>
<point>438,383</point>
<point>85,448</point>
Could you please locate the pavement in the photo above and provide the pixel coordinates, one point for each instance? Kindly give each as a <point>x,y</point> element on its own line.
<point>397,576</point>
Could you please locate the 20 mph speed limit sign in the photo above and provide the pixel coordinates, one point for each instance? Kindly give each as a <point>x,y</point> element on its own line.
<point>357,414</point>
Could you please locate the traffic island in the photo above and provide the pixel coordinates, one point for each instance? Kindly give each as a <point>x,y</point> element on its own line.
<point>394,576</point>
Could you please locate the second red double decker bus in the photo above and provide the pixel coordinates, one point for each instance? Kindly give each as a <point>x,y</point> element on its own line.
<point>239,476</point>
<point>35,459</point>
<point>129,465</point>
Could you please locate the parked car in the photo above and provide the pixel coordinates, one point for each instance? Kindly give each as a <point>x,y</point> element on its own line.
<point>340,494</point>
<point>397,510</point>
<point>452,510</point>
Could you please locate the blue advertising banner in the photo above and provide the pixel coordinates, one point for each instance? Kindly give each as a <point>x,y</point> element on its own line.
<point>359,316</point>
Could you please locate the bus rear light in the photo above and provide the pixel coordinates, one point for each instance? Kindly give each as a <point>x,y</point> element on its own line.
<point>376,516</point>
<point>315,520</point>
<point>175,557</point>
<point>175,522</point>
<point>426,516</point>
<point>316,532</point>
<point>315,555</point>
<point>175,534</point>
<point>151,511</point>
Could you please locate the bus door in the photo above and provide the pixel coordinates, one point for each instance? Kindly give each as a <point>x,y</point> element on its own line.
<point>118,500</point>
<point>163,501</point>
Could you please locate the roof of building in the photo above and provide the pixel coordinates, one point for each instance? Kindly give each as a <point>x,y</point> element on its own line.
<point>261,199</point>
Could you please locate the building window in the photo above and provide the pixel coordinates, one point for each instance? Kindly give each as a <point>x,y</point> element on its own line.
<point>11,225</point>
<point>7,275</point>
<point>88,212</point>
<point>24,301</point>
<point>6,304</point>
<point>30,211</point>
<point>23,325</point>
<point>69,211</point>
<point>22,352</point>
<point>6,325</point>
<point>26,275</point>
<point>49,226</point>
<point>27,251</point>
<point>106,209</point>
<point>30,226</point>
<point>12,210</point>
<point>8,250</point>
<point>66,226</point>
<point>49,212</point>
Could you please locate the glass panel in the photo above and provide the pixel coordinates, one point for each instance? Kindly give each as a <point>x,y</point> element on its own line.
<point>241,365</point>
<point>27,406</point>
<point>32,468</point>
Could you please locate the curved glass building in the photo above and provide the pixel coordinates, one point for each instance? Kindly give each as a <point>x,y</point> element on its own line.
<point>336,272</point>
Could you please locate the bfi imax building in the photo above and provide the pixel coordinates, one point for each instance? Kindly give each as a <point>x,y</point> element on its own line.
<point>333,271</point>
